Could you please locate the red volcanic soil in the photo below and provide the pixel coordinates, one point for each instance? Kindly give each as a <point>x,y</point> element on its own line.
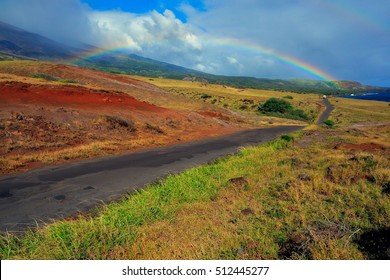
<point>37,118</point>
<point>215,115</point>
<point>70,96</point>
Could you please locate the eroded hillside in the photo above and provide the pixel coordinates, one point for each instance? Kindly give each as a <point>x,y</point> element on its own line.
<point>54,113</point>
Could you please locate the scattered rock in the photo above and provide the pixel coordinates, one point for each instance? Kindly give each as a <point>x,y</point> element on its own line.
<point>240,251</point>
<point>239,182</point>
<point>247,212</point>
<point>88,188</point>
<point>304,177</point>
<point>61,110</point>
<point>19,116</point>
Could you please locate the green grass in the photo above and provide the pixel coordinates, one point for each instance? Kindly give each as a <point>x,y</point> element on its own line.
<point>241,100</point>
<point>309,198</point>
<point>53,79</point>
<point>286,202</point>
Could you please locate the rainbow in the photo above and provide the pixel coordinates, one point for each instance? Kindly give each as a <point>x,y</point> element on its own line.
<point>94,53</point>
<point>294,62</point>
<point>290,60</point>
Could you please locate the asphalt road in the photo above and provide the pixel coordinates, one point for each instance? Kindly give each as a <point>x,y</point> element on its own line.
<point>50,193</point>
<point>325,115</point>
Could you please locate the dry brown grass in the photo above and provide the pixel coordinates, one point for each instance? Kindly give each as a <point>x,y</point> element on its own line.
<point>353,111</point>
<point>234,98</point>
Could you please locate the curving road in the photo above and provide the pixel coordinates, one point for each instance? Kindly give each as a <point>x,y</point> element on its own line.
<point>42,195</point>
<point>325,115</point>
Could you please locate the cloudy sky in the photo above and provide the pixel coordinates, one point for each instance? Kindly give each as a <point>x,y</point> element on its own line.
<point>340,39</point>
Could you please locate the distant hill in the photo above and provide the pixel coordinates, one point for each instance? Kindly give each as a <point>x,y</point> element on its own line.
<point>24,45</point>
<point>17,41</point>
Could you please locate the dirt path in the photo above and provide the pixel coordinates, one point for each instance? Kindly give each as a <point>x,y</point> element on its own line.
<point>42,195</point>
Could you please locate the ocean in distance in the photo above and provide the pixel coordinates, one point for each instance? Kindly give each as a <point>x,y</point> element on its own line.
<point>380,96</point>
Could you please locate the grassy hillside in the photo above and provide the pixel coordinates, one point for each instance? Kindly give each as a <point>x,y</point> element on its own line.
<point>26,45</point>
<point>324,195</point>
<point>239,100</point>
<point>125,63</point>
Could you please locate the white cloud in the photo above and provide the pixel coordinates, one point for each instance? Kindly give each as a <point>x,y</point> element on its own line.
<point>232,60</point>
<point>157,35</point>
<point>236,63</point>
<point>160,36</point>
<point>321,33</point>
<point>200,67</point>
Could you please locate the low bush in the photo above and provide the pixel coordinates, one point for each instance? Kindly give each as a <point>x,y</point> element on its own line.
<point>329,123</point>
<point>114,122</point>
<point>287,138</point>
<point>277,107</point>
<point>44,76</point>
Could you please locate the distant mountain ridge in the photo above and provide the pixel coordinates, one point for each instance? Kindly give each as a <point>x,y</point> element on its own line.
<point>20,42</point>
<point>23,45</point>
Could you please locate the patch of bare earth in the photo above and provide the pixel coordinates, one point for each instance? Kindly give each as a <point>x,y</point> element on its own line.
<point>45,119</point>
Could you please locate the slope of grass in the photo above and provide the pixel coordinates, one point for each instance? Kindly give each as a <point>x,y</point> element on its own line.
<point>236,99</point>
<point>302,200</point>
<point>323,194</point>
<point>349,112</point>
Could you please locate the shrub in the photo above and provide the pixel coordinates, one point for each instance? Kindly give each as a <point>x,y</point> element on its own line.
<point>44,76</point>
<point>153,128</point>
<point>68,81</point>
<point>329,123</point>
<point>276,105</point>
<point>205,96</point>
<point>287,138</point>
<point>114,122</point>
<point>281,108</point>
<point>288,97</point>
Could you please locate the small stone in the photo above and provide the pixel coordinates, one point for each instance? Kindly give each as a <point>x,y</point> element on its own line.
<point>240,251</point>
<point>238,182</point>
<point>247,212</point>
<point>19,117</point>
<point>304,177</point>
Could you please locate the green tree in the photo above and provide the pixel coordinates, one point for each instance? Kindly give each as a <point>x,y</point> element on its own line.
<point>276,105</point>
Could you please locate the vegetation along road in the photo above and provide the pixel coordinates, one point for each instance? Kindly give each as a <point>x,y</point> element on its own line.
<point>42,195</point>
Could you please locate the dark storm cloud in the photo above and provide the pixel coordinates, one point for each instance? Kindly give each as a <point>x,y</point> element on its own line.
<point>348,39</point>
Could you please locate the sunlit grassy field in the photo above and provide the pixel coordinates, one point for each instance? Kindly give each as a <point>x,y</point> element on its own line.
<point>240,100</point>
<point>352,111</point>
<point>322,195</point>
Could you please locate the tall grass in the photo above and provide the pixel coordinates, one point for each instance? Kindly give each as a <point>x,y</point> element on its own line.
<point>283,202</point>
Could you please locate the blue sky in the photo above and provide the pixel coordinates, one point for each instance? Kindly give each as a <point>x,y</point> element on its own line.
<point>142,7</point>
<point>344,39</point>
